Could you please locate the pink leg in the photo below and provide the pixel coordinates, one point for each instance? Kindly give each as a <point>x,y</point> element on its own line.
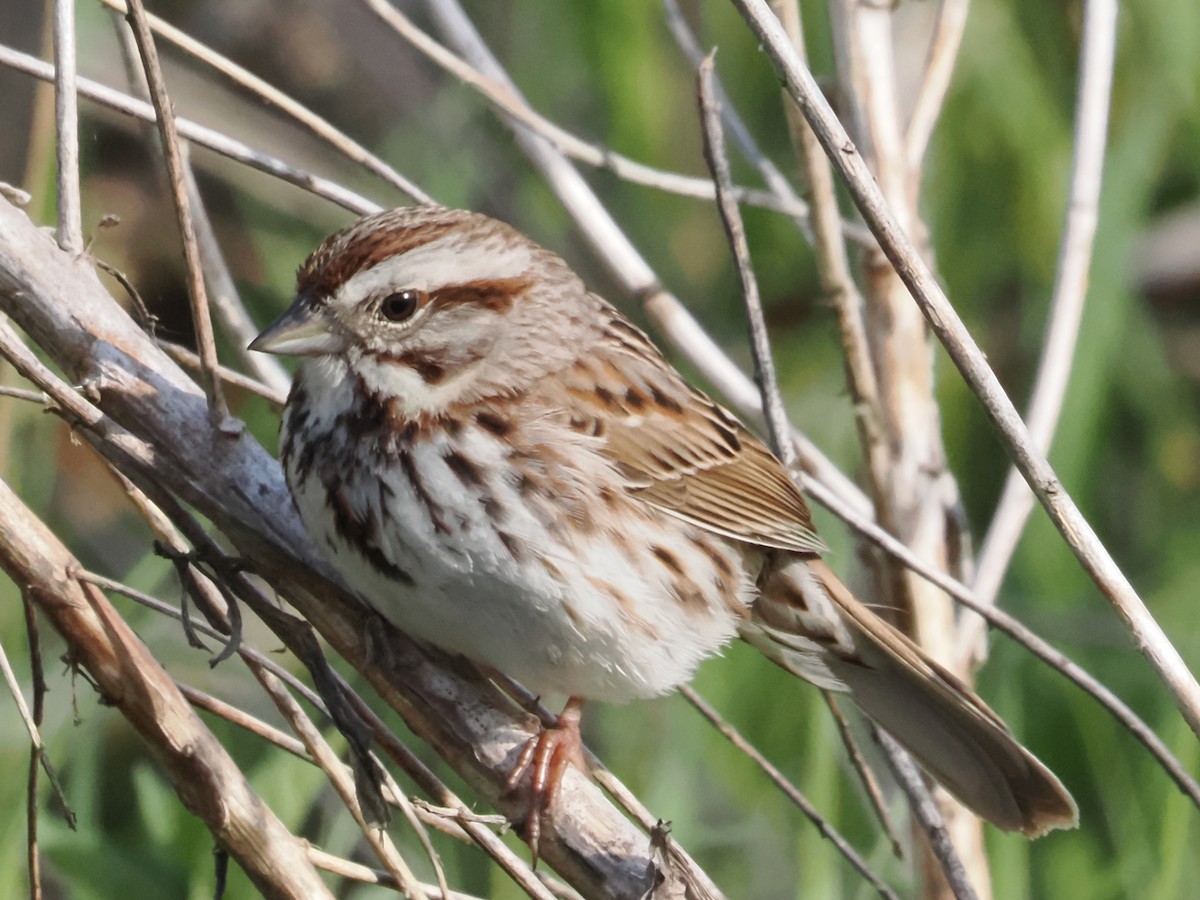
<point>545,757</point>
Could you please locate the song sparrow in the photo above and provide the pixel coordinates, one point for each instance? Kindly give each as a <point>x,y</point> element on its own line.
<point>510,470</point>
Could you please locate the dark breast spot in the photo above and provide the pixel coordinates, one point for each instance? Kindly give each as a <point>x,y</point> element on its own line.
<point>493,423</point>
<point>514,547</point>
<point>468,472</point>
<point>667,558</point>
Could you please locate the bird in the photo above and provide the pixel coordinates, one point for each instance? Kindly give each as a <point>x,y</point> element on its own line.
<point>505,467</point>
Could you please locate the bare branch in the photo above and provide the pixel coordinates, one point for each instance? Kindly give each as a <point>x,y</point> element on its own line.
<point>498,90</point>
<point>1078,533</point>
<point>197,293</point>
<point>760,343</point>
<point>204,777</point>
<point>231,312</point>
<point>323,755</point>
<point>789,790</point>
<point>340,142</point>
<point>66,118</point>
<point>948,30</point>
<point>927,815</point>
<point>198,134</point>
<point>1066,305</point>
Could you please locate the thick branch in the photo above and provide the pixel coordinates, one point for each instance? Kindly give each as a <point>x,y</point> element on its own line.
<point>239,487</point>
<point>207,780</point>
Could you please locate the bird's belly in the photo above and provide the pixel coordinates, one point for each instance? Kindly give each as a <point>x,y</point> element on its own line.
<point>626,611</point>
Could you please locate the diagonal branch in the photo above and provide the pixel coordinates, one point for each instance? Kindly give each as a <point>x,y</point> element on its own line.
<point>1066,305</point>
<point>970,361</point>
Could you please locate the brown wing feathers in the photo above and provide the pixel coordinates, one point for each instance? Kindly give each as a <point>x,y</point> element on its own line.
<point>681,452</point>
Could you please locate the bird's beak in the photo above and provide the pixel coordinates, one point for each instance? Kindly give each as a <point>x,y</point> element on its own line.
<point>302,330</point>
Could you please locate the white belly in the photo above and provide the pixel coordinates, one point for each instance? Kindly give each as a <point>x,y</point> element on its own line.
<point>590,612</point>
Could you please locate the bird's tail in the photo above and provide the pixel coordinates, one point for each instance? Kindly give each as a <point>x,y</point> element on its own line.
<point>809,623</point>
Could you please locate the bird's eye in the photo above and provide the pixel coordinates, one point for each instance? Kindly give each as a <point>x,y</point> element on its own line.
<point>400,306</point>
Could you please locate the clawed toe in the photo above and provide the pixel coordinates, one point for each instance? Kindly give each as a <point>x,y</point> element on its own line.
<point>545,758</point>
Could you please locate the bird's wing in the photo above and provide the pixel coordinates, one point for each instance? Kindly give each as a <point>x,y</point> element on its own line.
<point>680,451</point>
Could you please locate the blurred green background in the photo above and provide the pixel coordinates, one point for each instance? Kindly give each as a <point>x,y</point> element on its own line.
<point>1128,447</point>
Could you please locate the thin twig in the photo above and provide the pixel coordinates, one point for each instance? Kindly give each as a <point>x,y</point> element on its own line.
<point>197,293</point>
<point>925,811</point>
<point>760,343</point>
<point>837,282</point>
<point>231,313</point>
<point>789,790</point>
<point>970,361</point>
<point>1006,623</point>
<point>340,142</point>
<point>366,875</point>
<point>1066,306</point>
<point>948,28</point>
<point>508,101</point>
<point>630,269</point>
<point>36,754</point>
<point>35,737</point>
<point>515,867</point>
<point>198,134</point>
<point>866,775</point>
<point>22,394</point>
<point>190,361</point>
<point>771,176</point>
<point>342,782</point>
<point>66,118</point>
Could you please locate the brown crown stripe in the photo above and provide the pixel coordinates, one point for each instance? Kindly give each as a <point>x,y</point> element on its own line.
<point>361,246</point>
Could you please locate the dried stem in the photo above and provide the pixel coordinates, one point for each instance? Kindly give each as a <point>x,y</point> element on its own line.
<point>789,790</point>
<point>231,312</point>
<point>760,343</point>
<point>339,141</point>
<point>833,268</point>
<point>198,134</point>
<point>625,263</point>
<point>131,680</point>
<point>323,755</point>
<point>948,30</point>
<point>927,814</point>
<point>970,361</point>
<point>66,118</point>
<point>197,293</point>
<point>1066,305</point>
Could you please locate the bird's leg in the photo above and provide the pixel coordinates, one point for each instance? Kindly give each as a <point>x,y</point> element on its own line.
<point>545,757</point>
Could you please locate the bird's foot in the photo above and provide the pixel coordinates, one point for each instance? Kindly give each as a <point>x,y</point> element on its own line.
<point>545,758</point>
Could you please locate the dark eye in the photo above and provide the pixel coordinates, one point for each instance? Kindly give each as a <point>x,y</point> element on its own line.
<point>401,305</point>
